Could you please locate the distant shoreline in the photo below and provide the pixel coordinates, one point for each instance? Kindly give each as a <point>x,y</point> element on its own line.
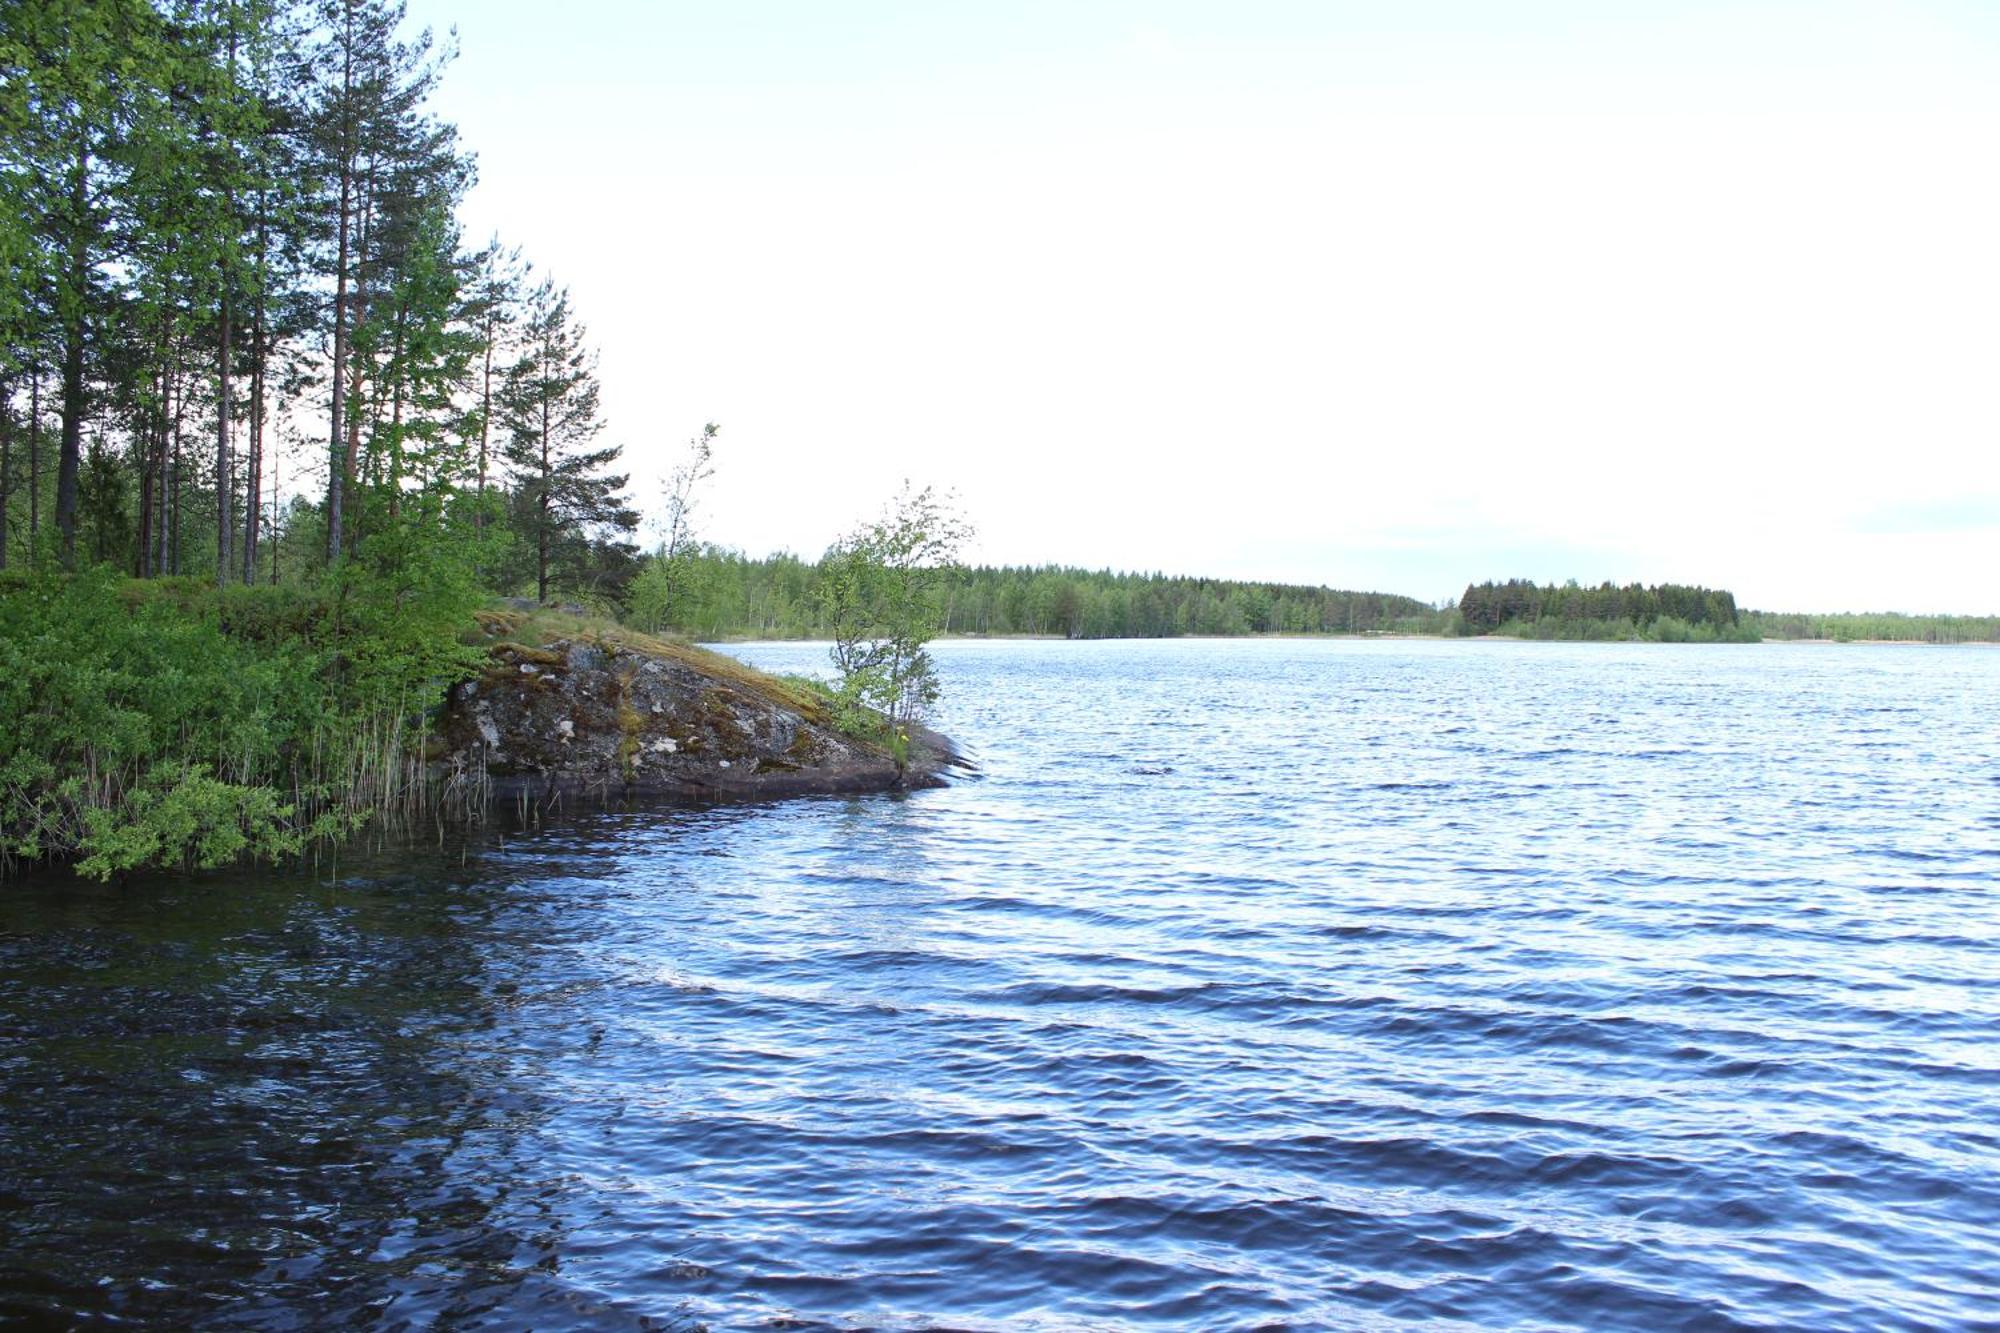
<point>1385,635</point>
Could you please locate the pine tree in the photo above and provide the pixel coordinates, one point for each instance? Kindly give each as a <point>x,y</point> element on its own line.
<point>79,75</point>
<point>492,308</point>
<point>549,408</point>
<point>381,161</point>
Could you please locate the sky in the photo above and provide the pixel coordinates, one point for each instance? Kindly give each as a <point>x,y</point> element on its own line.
<point>1389,296</point>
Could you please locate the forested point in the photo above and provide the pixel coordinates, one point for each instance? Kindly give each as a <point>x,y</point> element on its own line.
<point>271,427</point>
<point>272,430</point>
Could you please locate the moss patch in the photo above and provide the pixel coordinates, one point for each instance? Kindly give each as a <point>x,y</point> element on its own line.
<point>529,630</point>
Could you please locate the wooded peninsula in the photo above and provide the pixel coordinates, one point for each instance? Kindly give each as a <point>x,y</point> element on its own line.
<point>274,434</point>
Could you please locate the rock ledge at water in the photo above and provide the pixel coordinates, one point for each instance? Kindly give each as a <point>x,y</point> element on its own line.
<point>645,718</point>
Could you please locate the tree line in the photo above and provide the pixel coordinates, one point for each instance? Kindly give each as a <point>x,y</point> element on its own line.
<point>1683,613</point>
<point>241,331</point>
<point>712,592</point>
<point>1880,626</point>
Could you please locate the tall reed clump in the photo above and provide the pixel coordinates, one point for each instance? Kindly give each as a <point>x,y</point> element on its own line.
<point>166,724</point>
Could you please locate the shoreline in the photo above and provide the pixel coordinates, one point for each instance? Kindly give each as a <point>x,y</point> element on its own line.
<point>1385,635</point>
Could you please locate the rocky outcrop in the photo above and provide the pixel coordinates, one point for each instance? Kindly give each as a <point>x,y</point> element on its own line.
<point>641,717</point>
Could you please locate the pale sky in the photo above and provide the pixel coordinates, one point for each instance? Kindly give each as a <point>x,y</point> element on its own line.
<point>1372,294</point>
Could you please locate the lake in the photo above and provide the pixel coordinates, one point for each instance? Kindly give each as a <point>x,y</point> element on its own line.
<point>1252,984</point>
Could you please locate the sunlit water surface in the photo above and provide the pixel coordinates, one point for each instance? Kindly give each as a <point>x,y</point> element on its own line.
<point>1268,984</point>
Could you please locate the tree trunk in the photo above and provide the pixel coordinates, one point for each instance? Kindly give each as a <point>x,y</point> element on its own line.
<point>142,552</point>
<point>364,226</point>
<point>72,363</point>
<point>396,418</point>
<point>337,461</point>
<point>485,426</point>
<point>225,527</point>
<point>542,527</point>
<point>6,463</point>
<point>176,484</point>
<point>253,484</point>
<point>146,449</point>
<point>277,460</point>
<point>353,450</point>
<point>35,465</point>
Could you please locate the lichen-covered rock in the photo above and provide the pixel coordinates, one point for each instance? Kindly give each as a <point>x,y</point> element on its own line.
<point>645,718</point>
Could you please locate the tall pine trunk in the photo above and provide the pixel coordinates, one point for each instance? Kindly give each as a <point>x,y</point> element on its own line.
<point>337,460</point>
<point>253,484</point>
<point>485,426</point>
<point>35,465</point>
<point>396,417</point>
<point>6,463</point>
<point>72,362</point>
<point>542,527</point>
<point>364,198</point>
<point>225,527</point>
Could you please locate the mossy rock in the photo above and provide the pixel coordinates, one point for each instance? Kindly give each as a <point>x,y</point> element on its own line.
<point>617,713</point>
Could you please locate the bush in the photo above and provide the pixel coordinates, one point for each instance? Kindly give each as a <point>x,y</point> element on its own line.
<point>164,723</point>
<point>102,688</point>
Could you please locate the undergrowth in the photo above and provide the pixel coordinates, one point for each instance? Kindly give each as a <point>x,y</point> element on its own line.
<point>167,723</point>
<point>164,723</point>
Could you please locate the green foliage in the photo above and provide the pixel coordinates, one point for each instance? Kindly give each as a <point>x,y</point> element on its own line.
<point>726,594</point>
<point>399,608</point>
<point>159,723</point>
<point>549,407</point>
<point>178,813</point>
<point>1669,612</point>
<point>223,222</point>
<point>671,568</point>
<point>882,587</point>
<point>103,689</point>
<point>1876,626</point>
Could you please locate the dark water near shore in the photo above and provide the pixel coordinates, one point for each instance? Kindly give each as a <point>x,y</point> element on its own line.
<point>1269,984</point>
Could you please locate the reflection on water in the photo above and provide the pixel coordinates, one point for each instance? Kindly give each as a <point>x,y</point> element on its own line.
<point>1254,984</point>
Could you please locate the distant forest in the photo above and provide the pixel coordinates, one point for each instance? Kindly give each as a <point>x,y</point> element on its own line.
<point>725,594</point>
<point>1679,613</point>
<point>1888,626</point>
<point>716,593</point>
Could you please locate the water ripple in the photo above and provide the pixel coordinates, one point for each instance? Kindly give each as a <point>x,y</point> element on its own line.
<point>1253,985</point>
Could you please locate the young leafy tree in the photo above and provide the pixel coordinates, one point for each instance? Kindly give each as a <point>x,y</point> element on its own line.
<point>883,588</point>
<point>678,548</point>
<point>549,408</point>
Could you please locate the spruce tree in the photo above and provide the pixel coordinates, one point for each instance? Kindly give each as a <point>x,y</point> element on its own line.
<point>549,408</point>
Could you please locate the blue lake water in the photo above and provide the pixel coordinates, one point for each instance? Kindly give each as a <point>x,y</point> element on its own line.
<point>1251,985</point>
